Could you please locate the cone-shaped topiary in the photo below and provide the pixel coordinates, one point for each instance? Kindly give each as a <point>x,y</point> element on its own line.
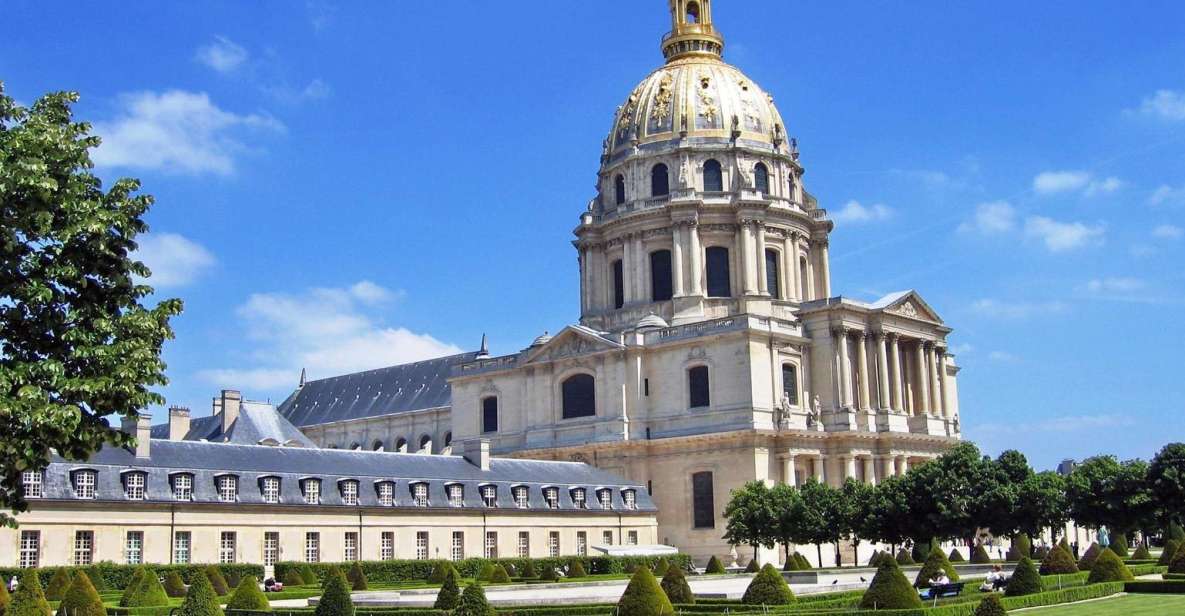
<point>576,569</point>
<point>1119,545</point>
<point>1021,546</point>
<point>1109,567</point>
<point>990,606</point>
<point>174,585</point>
<point>133,584</point>
<point>473,602</point>
<point>935,563</point>
<point>956,556</point>
<point>768,587</point>
<point>357,577</point>
<point>714,566</point>
<point>1058,562</point>
<point>81,599</point>
<point>889,589</point>
<point>1065,543</point>
<point>28,600</point>
<point>308,575</point>
<point>450,592</point>
<point>335,599</point>
<point>1170,550</point>
<point>247,596</point>
<point>486,572</point>
<point>660,567</point>
<point>5,598</point>
<point>980,555</point>
<point>547,573</point>
<point>1175,532</point>
<point>803,563</point>
<point>752,567</point>
<point>1025,580</point>
<point>1040,552</point>
<point>439,573</point>
<point>920,551</point>
<point>292,577</point>
<point>675,585</point>
<point>217,582</point>
<point>529,570</point>
<point>874,560</point>
<point>1142,553</point>
<point>1177,563</point>
<point>96,576</point>
<point>233,579</point>
<point>200,599</point>
<point>148,592</point>
<point>791,563</point>
<point>644,597</point>
<point>1087,560</point>
<point>905,558</point>
<point>59,584</point>
<point>501,575</point>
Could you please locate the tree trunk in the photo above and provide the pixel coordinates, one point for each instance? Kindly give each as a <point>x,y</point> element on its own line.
<point>819,551</point>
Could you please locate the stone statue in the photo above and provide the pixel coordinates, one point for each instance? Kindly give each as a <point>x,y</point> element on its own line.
<point>684,174</point>
<point>732,554</point>
<point>1104,537</point>
<point>814,416</point>
<point>784,412</point>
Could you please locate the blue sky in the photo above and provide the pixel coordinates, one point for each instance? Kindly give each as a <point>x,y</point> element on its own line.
<point>346,185</point>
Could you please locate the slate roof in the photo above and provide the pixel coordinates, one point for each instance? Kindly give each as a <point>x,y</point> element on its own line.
<point>256,423</point>
<point>250,463</point>
<point>385,391</point>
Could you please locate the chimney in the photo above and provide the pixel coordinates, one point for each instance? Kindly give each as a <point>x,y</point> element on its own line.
<point>229,407</point>
<point>216,407</point>
<point>139,427</point>
<point>477,452</point>
<point>178,423</point>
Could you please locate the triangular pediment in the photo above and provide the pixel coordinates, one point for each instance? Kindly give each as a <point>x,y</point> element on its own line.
<point>572,341</point>
<point>908,304</point>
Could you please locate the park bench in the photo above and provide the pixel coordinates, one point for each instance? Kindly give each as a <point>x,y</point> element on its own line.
<point>953,589</point>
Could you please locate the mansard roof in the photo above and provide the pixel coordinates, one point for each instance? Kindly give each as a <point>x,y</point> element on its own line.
<point>257,423</point>
<point>373,393</point>
<point>206,461</point>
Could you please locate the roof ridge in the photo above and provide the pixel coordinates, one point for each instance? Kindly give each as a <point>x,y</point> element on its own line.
<point>410,363</point>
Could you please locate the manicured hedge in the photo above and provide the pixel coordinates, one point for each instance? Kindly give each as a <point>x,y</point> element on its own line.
<point>117,577</point>
<point>1176,587</point>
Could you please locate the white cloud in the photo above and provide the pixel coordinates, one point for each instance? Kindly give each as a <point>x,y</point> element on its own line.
<point>1055,182</point>
<point>1165,104</point>
<point>1016,310</point>
<point>991,218</point>
<point>961,349</point>
<point>329,331</point>
<point>174,260</point>
<point>1168,232</point>
<point>1003,357</point>
<point>1104,186</point>
<point>223,55</point>
<point>314,90</point>
<point>1063,236</point>
<point>1165,194</point>
<point>855,213</point>
<point>1115,285</point>
<point>177,132</point>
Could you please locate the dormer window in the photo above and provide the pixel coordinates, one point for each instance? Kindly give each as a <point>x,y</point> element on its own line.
<point>133,485</point>
<point>456,495</point>
<point>349,490</point>
<point>520,496</point>
<point>228,488</point>
<point>312,491</point>
<point>489,496</point>
<point>386,493</point>
<point>33,483</point>
<point>269,488</point>
<point>605,497</point>
<point>552,496</point>
<point>629,497</point>
<point>419,494</point>
<point>182,487</point>
<point>578,498</point>
<point>84,484</point>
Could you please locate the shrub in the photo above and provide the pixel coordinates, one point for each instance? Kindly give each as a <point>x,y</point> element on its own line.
<point>148,592</point>
<point>660,568</point>
<point>357,577</point>
<point>644,597</point>
<point>1025,580</point>
<point>576,569</point>
<point>1109,568</point>
<point>956,556</point>
<point>874,560</point>
<point>473,602</point>
<point>529,570</point>
<point>81,599</point>
<point>935,563</point>
<point>904,558</point>
<point>130,589</point>
<point>200,599</point>
<point>674,584</point>
<point>990,606</point>
<point>308,575</point>
<point>440,572</point>
<point>1142,553</point>
<point>1119,545</point>
<point>1175,532</point>
<point>335,599</point>
<point>486,572</point>
<point>292,577</point>
<point>450,594</point>
<point>1177,564</point>
<point>752,567</point>
<point>59,584</point>
<point>174,585</point>
<point>803,563</point>
<point>1170,550</point>
<point>791,563</point>
<point>768,587</point>
<point>247,596</point>
<point>890,590</point>
<point>233,579</point>
<point>1021,546</point>
<point>548,574</point>
<point>1058,562</point>
<point>217,582</point>
<point>1089,557</point>
<point>28,600</point>
<point>502,576</point>
<point>919,551</point>
<point>714,566</point>
<point>5,599</point>
<point>980,555</point>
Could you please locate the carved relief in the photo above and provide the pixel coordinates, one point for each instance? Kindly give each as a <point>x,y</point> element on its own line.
<point>578,457</point>
<point>907,310</point>
<point>660,110</point>
<point>718,228</point>
<point>707,103</point>
<point>627,115</point>
<point>697,352</point>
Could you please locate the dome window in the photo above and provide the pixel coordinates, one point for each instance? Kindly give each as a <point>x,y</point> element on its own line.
<point>692,12</point>
<point>761,178</point>
<point>719,282</point>
<point>660,276</point>
<point>579,396</point>
<point>660,185</point>
<point>713,176</point>
<point>619,189</point>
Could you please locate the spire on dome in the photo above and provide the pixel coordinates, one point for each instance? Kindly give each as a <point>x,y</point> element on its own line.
<point>692,32</point>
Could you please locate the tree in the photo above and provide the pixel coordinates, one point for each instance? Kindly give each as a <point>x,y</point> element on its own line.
<point>674,584</point>
<point>858,502</point>
<point>200,599</point>
<point>935,563</point>
<point>1040,503</point>
<point>751,518</point>
<point>1103,492</point>
<point>309,576</point>
<point>990,606</point>
<point>889,590</point>
<point>1166,479</point>
<point>78,344</point>
<point>784,502</point>
<point>28,600</point>
<point>60,583</point>
<point>1025,579</point>
<point>217,582</point>
<point>951,495</point>
<point>357,577</point>
<point>81,599</point>
<point>450,593</point>
<point>473,602</point>
<point>888,520</point>
<point>768,587</point>
<point>502,576</point>
<point>644,597</point>
<point>714,566</point>
<point>1058,562</point>
<point>1109,568</point>
<point>247,596</point>
<point>335,599</point>
<point>5,598</point>
<point>819,516</point>
<point>146,591</point>
<point>175,586</point>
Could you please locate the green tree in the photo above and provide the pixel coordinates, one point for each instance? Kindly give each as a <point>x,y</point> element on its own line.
<point>576,569</point>
<point>1025,579</point>
<point>79,346</point>
<point>357,577</point>
<point>1040,503</point>
<point>768,587</point>
<point>714,566</point>
<point>473,602</point>
<point>217,582</point>
<point>309,576</point>
<point>175,586</point>
<point>1166,479</point>
<point>146,592</point>
<point>674,584</point>
<point>60,583</point>
<point>5,598</point>
<point>889,517</point>
<point>1104,492</point>
<point>935,563</point>
<point>200,599</point>
<point>644,597</point>
<point>953,494</point>
<point>784,502</point>
<point>889,590</point>
<point>1059,561</point>
<point>81,599</point>
<point>450,592</point>
<point>1109,568</point>
<point>819,516</point>
<point>990,606</point>
<point>857,502</point>
<point>335,599</point>
<point>28,600</point>
<point>247,596</point>
<point>750,516</point>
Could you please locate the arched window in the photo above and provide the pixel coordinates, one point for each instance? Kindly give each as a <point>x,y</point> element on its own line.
<point>660,185</point>
<point>426,443</point>
<point>773,274</point>
<point>719,283</point>
<point>618,284</point>
<point>448,439</point>
<point>401,445</point>
<point>660,275</point>
<point>790,383</point>
<point>693,12</point>
<point>356,446</point>
<point>579,396</point>
<point>713,176</point>
<point>619,189</point>
<point>489,414</point>
<point>804,270</point>
<point>378,445</point>
<point>761,178</point>
<point>698,393</point>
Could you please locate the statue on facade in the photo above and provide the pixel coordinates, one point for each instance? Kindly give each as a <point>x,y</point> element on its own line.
<point>732,554</point>
<point>783,414</point>
<point>815,415</point>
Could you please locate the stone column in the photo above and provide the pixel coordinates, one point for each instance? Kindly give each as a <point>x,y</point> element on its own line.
<point>895,367</point>
<point>817,468</point>
<point>762,278</point>
<point>944,385</point>
<point>745,258</point>
<point>935,388</point>
<point>788,467</point>
<point>862,367</point>
<point>677,260</point>
<point>888,467</point>
<point>869,471</point>
<point>642,290</point>
<point>923,379</point>
<point>849,467</point>
<point>697,258</point>
<point>790,262</point>
<point>882,371</point>
<point>585,282</point>
<point>903,464</point>
<point>627,269</point>
<point>825,267</point>
<point>845,373</point>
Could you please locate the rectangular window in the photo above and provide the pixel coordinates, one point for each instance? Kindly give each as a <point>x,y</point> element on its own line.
<point>719,280</point>
<point>271,489</point>
<point>312,491</point>
<point>386,491</point>
<point>84,545</point>
<point>456,495</point>
<point>181,540</point>
<point>524,544</point>
<point>790,383</point>
<point>660,275</point>
<point>552,496</point>
<point>350,492</point>
<point>422,545</point>
<point>698,391</point>
<point>578,498</point>
<point>228,488</point>
<point>271,548</point>
<point>30,557</point>
<point>491,550</point>
<point>581,543</point>
<point>489,415</point>
<point>607,537</point>
<point>228,547</point>
<point>618,285</point>
<point>553,543</point>
<point>312,547</point>
<point>387,546</point>
<point>419,494</point>
<point>520,497</point>
<point>133,485</point>
<point>351,546</point>
<point>489,496</point>
<point>134,550</point>
<point>458,547</point>
<point>84,484</point>
<point>605,497</point>
<point>630,499</point>
<point>33,482</point>
<point>183,487</point>
<point>631,537</point>
<point>703,505</point>
<point>773,278</point>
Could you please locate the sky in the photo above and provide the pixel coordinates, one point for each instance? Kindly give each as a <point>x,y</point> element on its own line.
<point>346,185</point>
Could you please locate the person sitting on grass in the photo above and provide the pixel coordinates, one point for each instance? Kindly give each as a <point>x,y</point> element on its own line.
<point>939,579</point>
<point>996,580</point>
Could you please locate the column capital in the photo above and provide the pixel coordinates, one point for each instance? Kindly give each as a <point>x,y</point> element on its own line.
<point>862,333</point>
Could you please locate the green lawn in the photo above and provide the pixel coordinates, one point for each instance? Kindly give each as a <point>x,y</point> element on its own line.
<point>1128,605</point>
